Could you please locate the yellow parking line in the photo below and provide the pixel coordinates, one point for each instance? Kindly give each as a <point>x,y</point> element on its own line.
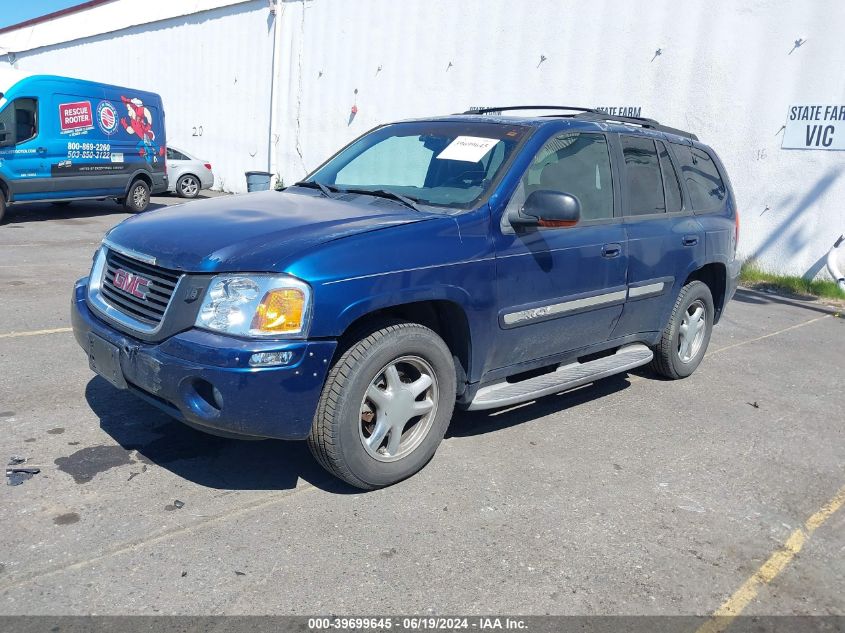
<point>57,330</point>
<point>775,564</point>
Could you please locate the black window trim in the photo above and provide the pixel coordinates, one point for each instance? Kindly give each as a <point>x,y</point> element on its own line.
<point>616,218</point>
<point>627,216</point>
<point>676,171</point>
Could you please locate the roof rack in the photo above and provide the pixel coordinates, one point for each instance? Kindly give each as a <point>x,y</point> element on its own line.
<point>530,107</point>
<point>650,124</point>
<point>592,114</point>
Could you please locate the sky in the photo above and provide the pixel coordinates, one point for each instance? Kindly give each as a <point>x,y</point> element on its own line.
<point>14,11</point>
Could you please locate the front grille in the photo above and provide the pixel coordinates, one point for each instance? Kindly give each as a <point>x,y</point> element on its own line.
<point>148,310</point>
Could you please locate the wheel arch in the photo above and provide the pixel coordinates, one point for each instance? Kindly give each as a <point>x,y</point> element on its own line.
<point>446,317</point>
<point>715,276</point>
<point>5,189</point>
<point>139,175</point>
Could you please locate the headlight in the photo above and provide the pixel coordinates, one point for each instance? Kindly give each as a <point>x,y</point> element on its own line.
<point>256,305</point>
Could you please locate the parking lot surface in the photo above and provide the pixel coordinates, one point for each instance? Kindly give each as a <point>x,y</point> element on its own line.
<point>631,496</point>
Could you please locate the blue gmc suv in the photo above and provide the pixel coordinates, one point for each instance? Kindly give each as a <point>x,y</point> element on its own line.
<point>474,260</point>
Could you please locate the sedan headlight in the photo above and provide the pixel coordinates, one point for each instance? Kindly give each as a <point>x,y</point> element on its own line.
<point>256,305</point>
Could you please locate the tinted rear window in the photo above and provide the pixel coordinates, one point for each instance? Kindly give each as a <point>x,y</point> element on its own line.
<point>705,185</point>
<point>642,172</point>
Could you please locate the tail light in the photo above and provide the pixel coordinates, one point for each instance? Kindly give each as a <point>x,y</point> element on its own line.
<point>208,166</point>
<point>736,230</point>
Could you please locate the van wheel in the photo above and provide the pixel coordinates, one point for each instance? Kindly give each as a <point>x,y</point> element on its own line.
<point>2,206</point>
<point>188,186</point>
<point>138,198</point>
<point>385,406</point>
<point>687,334</point>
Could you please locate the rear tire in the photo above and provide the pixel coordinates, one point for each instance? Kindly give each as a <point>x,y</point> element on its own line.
<point>2,206</point>
<point>685,339</point>
<point>385,406</point>
<point>138,197</point>
<point>188,186</point>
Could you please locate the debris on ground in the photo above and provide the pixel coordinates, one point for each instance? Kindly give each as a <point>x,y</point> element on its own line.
<point>239,573</point>
<point>184,573</point>
<point>16,476</point>
<point>753,404</point>
<point>14,460</point>
<point>176,505</point>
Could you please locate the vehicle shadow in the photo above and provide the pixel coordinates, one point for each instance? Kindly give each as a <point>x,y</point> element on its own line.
<point>207,460</point>
<point>156,439</point>
<point>75,211</point>
<point>755,297</point>
<point>37,212</point>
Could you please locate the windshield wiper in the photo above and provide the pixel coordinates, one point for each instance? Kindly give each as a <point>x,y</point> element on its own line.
<point>314,184</point>
<point>409,202</point>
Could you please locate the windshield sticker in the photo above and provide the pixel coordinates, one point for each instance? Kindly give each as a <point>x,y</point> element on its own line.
<point>469,149</point>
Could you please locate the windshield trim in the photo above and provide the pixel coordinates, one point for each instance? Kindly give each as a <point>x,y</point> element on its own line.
<point>443,208</point>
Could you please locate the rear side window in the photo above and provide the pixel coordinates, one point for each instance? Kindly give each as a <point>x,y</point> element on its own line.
<point>671,186</point>
<point>642,174</point>
<point>706,188</point>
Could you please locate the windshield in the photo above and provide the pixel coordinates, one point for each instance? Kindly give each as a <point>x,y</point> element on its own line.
<point>439,163</point>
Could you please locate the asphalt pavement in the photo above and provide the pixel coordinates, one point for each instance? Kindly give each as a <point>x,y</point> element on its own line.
<point>635,495</point>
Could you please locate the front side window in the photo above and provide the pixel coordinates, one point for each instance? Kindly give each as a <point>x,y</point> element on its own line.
<point>642,175</point>
<point>18,122</point>
<point>577,163</point>
<point>438,163</point>
<point>706,188</point>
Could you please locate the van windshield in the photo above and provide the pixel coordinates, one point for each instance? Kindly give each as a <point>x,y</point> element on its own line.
<point>438,163</point>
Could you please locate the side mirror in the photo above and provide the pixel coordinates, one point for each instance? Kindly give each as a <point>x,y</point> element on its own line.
<point>546,208</point>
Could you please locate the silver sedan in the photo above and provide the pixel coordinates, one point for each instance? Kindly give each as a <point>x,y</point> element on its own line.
<point>187,174</point>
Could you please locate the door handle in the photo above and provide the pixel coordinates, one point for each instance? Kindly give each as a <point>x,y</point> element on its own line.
<point>690,240</point>
<point>611,250</point>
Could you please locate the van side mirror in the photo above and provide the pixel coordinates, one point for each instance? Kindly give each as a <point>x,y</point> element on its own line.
<point>546,208</point>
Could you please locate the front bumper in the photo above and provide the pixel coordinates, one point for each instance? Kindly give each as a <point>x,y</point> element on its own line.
<point>179,376</point>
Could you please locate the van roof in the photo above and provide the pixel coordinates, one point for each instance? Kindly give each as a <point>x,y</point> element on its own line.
<point>56,80</point>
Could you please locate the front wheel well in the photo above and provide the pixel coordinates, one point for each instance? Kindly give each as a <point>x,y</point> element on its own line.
<point>446,318</point>
<point>715,276</point>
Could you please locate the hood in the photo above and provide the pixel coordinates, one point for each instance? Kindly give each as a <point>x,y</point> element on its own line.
<point>253,232</point>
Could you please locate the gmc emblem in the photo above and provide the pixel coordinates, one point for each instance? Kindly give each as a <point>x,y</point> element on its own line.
<point>133,284</point>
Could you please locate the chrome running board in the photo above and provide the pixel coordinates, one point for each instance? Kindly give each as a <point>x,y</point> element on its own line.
<point>565,377</point>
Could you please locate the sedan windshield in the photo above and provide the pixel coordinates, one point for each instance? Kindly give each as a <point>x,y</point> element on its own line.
<point>438,163</point>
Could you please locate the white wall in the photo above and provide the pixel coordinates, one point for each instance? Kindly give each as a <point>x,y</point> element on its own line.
<point>212,70</point>
<point>725,73</point>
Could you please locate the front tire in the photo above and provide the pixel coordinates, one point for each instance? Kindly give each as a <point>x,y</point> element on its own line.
<point>138,197</point>
<point>188,186</point>
<point>687,335</point>
<point>385,406</point>
<point>2,206</point>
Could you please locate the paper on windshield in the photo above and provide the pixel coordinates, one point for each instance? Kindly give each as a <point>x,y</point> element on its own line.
<point>470,149</point>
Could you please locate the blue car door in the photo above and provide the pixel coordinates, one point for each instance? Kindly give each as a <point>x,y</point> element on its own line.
<point>23,152</point>
<point>665,241</point>
<point>561,289</point>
